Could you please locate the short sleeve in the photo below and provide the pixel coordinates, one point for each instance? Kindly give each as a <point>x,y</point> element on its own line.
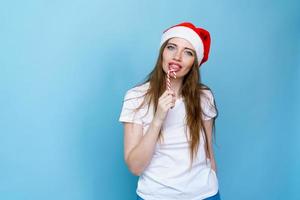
<point>208,105</point>
<point>129,112</point>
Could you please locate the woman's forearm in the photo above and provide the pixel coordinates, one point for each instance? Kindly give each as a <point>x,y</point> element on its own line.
<point>141,155</point>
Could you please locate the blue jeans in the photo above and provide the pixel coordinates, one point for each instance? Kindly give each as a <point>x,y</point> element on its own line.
<point>215,197</point>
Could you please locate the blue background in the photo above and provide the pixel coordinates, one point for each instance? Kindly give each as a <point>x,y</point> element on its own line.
<point>66,65</point>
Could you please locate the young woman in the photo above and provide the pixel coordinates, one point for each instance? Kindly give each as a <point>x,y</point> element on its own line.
<point>169,121</point>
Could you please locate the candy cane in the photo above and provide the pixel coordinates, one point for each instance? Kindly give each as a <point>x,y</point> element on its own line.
<point>174,73</point>
<point>169,79</point>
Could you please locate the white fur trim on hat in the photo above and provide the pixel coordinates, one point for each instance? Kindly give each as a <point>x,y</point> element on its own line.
<point>188,34</point>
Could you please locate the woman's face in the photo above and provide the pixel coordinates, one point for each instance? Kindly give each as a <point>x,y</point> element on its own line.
<point>178,55</point>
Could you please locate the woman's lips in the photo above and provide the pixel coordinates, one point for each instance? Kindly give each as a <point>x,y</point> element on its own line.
<point>174,66</point>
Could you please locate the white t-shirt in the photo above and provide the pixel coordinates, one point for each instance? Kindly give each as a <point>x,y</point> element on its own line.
<point>167,177</point>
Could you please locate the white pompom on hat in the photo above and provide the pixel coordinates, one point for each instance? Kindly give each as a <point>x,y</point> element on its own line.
<point>198,37</point>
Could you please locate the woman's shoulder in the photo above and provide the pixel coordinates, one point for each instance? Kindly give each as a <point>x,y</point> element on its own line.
<point>137,91</point>
<point>208,103</point>
<point>206,91</point>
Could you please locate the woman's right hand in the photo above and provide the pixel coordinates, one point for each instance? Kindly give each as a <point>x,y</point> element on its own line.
<point>165,102</point>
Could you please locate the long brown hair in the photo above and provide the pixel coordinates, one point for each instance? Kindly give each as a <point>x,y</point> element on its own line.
<point>191,90</point>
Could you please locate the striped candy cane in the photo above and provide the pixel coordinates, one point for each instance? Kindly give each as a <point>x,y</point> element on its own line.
<point>169,79</point>
<point>174,73</point>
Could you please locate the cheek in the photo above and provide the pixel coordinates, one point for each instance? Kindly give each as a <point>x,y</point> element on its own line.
<point>166,55</point>
<point>164,61</point>
<point>189,62</point>
<point>187,69</point>
<point>188,65</point>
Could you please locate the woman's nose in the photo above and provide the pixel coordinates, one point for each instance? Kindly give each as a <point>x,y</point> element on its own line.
<point>177,55</point>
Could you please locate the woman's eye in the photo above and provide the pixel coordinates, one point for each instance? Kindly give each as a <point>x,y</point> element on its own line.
<point>189,53</point>
<point>170,47</point>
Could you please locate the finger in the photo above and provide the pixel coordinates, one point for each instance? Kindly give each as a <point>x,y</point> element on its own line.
<point>171,92</point>
<point>170,105</point>
<point>168,93</point>
<point>167,99</point>
<point>163,95</point>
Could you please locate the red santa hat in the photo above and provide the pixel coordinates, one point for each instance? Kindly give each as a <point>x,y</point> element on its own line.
<point>198,37</point>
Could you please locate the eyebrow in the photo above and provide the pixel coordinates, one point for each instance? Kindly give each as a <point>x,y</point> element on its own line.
<point>184,47</point>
